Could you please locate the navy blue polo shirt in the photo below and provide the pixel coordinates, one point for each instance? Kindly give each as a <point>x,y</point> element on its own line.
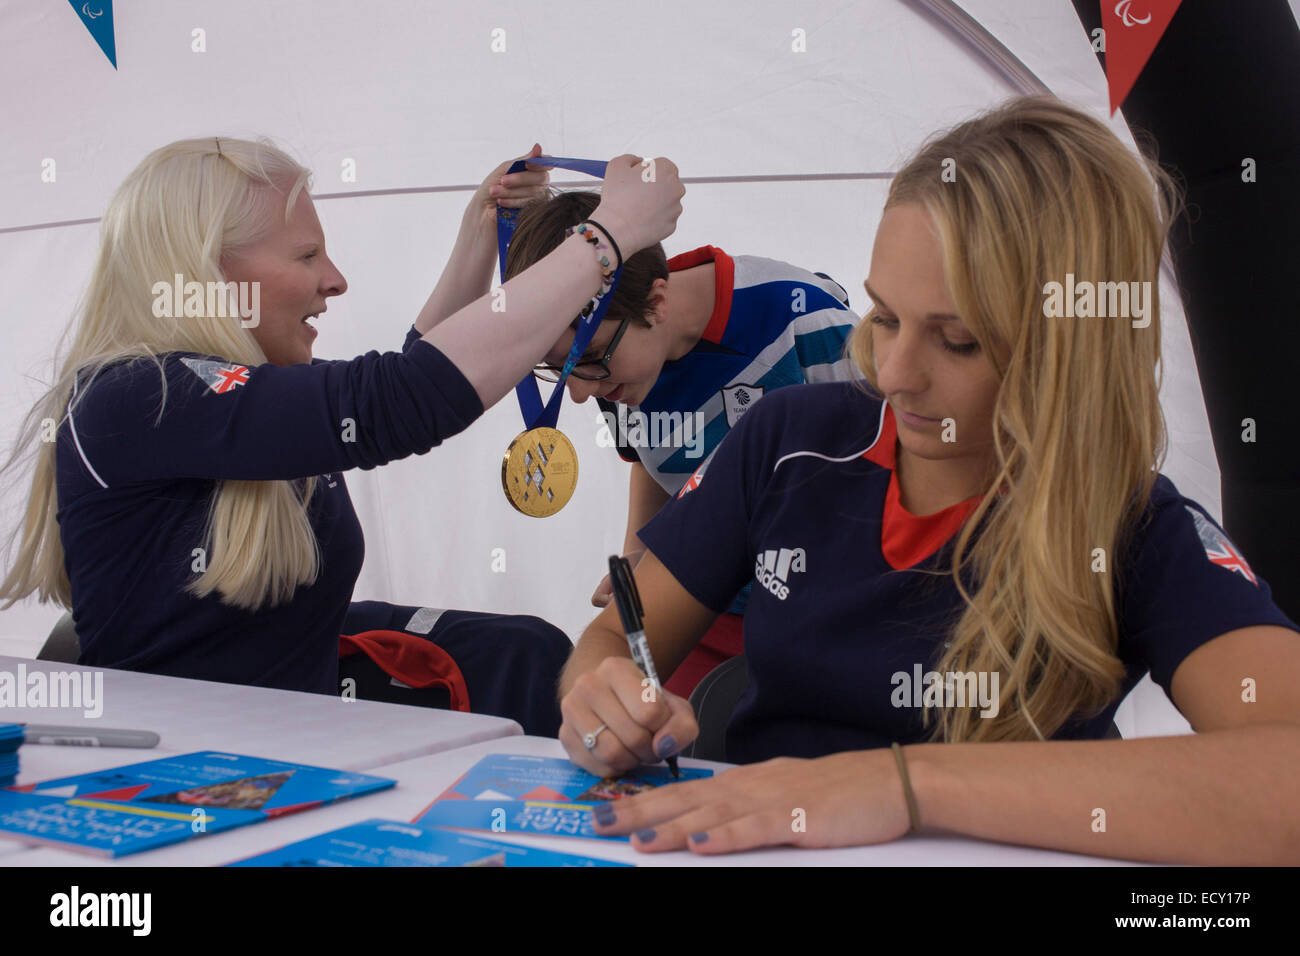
<point>134,491</point>
<point>802,498</point>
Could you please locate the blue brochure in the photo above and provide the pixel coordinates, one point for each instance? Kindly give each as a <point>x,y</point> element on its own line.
<point>513,793</point>
<point>389,843</point>
<point>11,738</point>
<point>159,802</point>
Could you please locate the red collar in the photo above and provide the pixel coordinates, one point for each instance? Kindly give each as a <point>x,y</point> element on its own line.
<point>907,539</point>
<point>724,277</point>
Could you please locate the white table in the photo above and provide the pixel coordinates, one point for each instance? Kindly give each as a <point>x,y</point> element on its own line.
<point>420,780</point>
<point>287,725</point>
<point>192,715</point>
<point>440,771</point>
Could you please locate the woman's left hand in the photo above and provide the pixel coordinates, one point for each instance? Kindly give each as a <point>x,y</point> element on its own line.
<point>847,799</point>
<point>511,190</point>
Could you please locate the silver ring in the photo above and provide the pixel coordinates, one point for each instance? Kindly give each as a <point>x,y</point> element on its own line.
<point>589,740</point>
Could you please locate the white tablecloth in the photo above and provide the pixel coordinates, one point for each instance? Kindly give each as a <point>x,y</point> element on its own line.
<point>276,724</point>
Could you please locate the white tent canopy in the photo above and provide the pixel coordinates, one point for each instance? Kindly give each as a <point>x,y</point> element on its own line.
<point>758,100</point>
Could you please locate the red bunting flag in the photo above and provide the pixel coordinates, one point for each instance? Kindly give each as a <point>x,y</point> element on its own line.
<point>1132,29</point>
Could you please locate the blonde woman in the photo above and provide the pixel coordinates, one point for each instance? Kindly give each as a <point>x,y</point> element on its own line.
<point>192,512</point>
<point>963,569</point>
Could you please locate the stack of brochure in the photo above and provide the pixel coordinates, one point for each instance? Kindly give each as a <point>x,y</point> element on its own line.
<point>11,738</point>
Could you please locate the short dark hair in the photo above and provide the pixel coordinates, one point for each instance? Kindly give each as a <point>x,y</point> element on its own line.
<point>541,228</point>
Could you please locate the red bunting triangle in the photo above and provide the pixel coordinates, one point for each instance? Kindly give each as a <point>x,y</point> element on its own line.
<point>545,793</point>
<point>122,794</point>
<point>1132,29</point>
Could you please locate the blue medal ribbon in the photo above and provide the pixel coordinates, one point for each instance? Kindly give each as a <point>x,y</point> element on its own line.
<point>530,398</point>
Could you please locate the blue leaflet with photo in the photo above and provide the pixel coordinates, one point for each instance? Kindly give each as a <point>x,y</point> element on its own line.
<point>146,805</point>
<point>378,842</point>
<point>515,816</point>
<point>523,777</point>
<point>514,793</point>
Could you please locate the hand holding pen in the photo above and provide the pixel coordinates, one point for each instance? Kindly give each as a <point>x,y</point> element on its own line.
<point>630,612</point>
<point>616,717</point>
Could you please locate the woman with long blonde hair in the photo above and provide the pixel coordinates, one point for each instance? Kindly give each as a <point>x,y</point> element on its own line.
<point>187,502</point>
<point>963,566</point>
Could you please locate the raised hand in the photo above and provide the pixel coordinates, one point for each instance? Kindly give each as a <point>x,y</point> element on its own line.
<point>640,201</point>
<point>512,190</point>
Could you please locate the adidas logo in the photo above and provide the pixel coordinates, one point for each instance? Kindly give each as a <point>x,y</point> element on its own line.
<point>773,567</point>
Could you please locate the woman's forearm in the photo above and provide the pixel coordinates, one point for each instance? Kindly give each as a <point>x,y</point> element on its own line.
<point>645,498</point>
<point>1225,797</point>
<point>466,277</point>
<point>499,337</point>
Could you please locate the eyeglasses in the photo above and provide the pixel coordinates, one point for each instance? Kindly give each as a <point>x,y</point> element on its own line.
<point>591,370</point>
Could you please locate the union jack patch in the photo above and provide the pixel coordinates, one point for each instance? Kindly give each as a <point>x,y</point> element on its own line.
<point>692,483</point>
<point>1219,549</point>
<point>221,377</point>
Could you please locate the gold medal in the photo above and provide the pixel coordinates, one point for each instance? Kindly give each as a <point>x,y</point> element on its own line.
<point>539,472</point>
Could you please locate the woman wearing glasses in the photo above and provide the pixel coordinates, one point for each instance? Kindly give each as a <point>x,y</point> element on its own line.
<point>192,512</point>
<point>688,346</point>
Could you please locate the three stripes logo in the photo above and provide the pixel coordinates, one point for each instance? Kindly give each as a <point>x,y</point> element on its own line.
<point>773,568</point>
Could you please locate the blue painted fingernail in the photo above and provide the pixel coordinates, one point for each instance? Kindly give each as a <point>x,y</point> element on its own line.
<point>645,836</point>
<point>604,814</point>
<point>667,747</point>
<point>699,838</point>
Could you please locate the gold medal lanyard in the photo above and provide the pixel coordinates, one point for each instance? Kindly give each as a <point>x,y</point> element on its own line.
<point>539,470</point>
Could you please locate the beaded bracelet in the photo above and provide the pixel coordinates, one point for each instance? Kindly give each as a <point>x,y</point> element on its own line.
<point>617,251</point>
<point>587,230</point>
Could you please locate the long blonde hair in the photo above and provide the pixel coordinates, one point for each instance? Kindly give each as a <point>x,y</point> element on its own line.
<point>1042,190</point>
<point>178,212</point>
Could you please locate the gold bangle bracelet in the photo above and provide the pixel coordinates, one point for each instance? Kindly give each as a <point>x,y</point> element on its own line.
<point>913,811</point>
